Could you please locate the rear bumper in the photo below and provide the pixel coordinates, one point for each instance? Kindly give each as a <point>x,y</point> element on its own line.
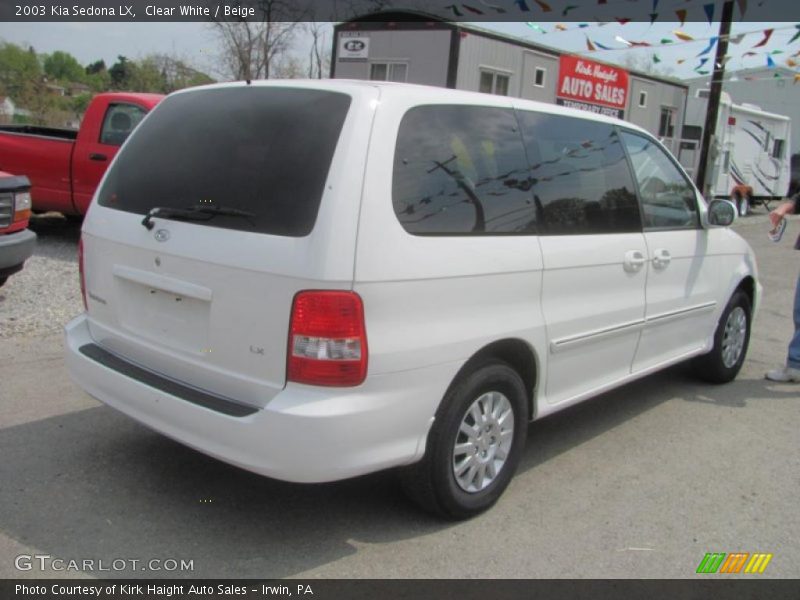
<point>304,434</point>
<point>15,249</point>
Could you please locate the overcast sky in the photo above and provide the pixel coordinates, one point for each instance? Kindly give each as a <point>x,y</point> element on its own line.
<point>196,42</point>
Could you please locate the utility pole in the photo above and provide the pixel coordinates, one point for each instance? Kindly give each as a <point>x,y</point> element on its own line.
<point>714,94</point>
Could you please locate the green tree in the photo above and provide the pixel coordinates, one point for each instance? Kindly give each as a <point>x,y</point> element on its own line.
<point>62,66</point>
<point>98,66</point>
<point>19,71</point>
<point>121,72</point>
<point>146,76</point>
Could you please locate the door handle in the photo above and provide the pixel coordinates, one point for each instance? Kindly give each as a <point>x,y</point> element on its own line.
<point>634,260</point>
<point>661,258</point>
<point>97,156</point>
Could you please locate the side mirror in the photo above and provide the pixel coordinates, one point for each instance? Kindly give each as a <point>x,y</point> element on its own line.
<point>721,213</point>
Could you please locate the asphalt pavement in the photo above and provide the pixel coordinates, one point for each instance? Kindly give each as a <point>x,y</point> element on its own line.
<point>640,482</point>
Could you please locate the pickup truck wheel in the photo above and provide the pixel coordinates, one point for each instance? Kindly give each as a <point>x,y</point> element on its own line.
<point>74,219</point>
<point>731,339</point>
<point>474,445</point>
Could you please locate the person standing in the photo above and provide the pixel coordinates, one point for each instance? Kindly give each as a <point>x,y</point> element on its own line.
<point>790,372</point>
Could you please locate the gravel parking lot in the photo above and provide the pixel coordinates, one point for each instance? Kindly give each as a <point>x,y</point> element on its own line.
<point>46,294</point>
<point>640,482</point>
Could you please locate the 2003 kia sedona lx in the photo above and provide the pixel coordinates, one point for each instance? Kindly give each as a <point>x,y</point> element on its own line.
<point>316,280</point>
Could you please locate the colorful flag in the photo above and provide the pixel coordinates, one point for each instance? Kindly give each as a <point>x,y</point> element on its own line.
<point>708,48</point>
<point>589,45</point>
<point>681,16</point>
<point>472,9</point>
<point>767,35</point>
<point>498,9</point>
<point>709,8</point>
<point>682,36</point>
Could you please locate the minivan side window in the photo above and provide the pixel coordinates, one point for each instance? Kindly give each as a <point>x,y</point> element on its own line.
<point>460,170</point>
<point>668,199</point>
<point>579,176</point>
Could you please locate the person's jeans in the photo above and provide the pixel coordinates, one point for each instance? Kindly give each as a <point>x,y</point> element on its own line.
<point>793,360</point>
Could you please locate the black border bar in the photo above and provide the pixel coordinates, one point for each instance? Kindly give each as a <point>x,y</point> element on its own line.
<point>711,587</point>
<point>539,11</point>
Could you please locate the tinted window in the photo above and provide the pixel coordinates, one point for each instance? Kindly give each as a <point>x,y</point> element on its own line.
<point>668,199</point>
<point>579,177</point>
<point>258,149</point>
<point>119,121</point>
<point>461,170</point>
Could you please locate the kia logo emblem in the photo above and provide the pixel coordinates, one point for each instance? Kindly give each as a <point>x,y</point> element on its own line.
<point>354,46</point>
<point>161,235</point>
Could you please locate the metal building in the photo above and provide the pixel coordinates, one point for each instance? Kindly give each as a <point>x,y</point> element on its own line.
<point>409,48</point>
<point>760,86</point>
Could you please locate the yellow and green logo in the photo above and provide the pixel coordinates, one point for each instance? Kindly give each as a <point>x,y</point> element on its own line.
<point>720,562</point>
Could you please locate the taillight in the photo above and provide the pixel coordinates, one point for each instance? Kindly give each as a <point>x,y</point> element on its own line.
<point>327,339</point>
<point>81,271</point>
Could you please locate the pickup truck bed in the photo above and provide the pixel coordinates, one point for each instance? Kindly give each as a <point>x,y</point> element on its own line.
<point>66,134</point>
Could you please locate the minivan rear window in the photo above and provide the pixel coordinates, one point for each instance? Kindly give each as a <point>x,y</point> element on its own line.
<point>263,150</point>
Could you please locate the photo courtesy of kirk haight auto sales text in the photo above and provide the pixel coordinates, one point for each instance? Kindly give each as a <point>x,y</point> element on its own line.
<point>162,591</point>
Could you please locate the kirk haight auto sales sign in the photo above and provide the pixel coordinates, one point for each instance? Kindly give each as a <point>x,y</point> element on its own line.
<point>592,86</point>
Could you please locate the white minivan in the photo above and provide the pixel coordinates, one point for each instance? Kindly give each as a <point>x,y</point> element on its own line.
<point>316,280</point>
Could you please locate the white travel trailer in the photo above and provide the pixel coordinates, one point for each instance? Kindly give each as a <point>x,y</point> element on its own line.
<point>750,161</point>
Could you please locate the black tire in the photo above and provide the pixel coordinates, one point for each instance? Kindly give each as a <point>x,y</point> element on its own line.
<point>432,483</point>
<point>712,367</point>
<point>74,219</point>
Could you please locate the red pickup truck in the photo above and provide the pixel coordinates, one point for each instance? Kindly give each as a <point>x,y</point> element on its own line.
<point>64,165</point>
<point>16,241</point>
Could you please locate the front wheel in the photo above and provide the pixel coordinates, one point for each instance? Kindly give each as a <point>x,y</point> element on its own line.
<point>474,445</point>
<point>731,339</point>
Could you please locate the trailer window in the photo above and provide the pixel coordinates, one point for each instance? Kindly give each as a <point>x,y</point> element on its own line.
<point>777,149</point>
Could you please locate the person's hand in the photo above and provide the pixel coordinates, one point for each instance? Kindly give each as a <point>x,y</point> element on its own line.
<point>777,215</point>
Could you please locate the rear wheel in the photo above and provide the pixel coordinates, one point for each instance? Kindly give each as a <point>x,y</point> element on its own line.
<point>731,339</point>
<point>474,445</point>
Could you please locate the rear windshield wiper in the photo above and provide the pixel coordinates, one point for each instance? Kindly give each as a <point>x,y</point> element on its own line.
<point>194,213</point>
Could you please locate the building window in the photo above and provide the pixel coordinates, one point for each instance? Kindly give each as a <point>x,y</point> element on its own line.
<point>494,83</point>
<point>642,99</point>
<point>666,125</point>
<point>538,77</point>
<point>388,72</point>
